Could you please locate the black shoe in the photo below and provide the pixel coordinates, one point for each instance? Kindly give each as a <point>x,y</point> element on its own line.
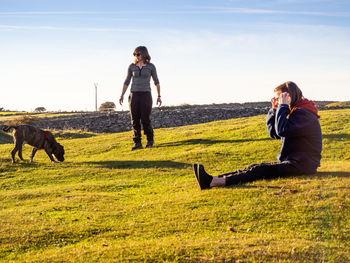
<point>149,144</point>
<point>202,177</point>
<point>137,146</point>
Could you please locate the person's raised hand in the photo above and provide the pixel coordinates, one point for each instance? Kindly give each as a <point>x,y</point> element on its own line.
<point>274,103</point>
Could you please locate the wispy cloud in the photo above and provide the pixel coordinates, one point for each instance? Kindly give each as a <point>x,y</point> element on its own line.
<point>185,10</point>
<point>228,10</point>
<point>61,13</point>
<point>54,28</point>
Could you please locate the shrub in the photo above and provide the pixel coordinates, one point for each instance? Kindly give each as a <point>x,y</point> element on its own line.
<point>40,109</point>
<point>107,106</point>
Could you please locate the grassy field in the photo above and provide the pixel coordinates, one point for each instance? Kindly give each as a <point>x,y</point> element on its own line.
<point>339,104</point>
<point>15,116</point>
<point>108,204</point>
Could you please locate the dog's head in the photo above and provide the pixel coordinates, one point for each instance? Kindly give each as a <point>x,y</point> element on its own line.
<point>59,152</point>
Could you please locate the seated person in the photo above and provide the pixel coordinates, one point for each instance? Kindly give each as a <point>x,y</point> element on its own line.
<point>292,119</point>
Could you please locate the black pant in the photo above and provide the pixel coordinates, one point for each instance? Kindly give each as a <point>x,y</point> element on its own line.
<point>140,104</point>
<point>261,171</point>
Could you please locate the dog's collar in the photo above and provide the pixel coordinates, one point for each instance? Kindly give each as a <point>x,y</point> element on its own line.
<point>45,139</point>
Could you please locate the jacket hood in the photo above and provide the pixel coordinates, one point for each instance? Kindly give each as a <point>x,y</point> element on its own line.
<point>308,105</point>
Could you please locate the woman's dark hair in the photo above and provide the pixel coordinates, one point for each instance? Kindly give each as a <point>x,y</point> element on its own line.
<point>144,54</point>
<point>295,93</point>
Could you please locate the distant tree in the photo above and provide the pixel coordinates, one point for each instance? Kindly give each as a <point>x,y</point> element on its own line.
<point>1,108</point>
<point>40,109</point>
<point>107,106</point>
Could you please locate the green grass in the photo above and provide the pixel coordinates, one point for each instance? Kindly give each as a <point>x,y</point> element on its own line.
<point>108,204</point>
<point>339,104</point>
<point>6,116</point>
<point>5,113</point>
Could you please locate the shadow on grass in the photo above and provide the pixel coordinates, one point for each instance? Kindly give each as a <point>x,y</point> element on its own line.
<point>336,137</point>
<point>138,164</point>
<point>6,166</point>
<point>73,135</point>
<point>19,163</point>
<point>319,175</point>
<point>207,142</point>
<point>332,174</point>
<point>5,138</point>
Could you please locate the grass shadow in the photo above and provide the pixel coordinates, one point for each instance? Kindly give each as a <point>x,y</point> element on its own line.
<point>207,142</point>
<point>73,135</point>
<point>6,159</point>
<point>6,166</point>
<point>138,164</point>
<point>332,174</point>
<point>336,137</point>
<point>19,163</point>
<point>318,175</point>
<point>5,138</point>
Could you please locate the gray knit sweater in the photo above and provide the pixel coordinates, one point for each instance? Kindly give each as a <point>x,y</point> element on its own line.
<point>141,77</point>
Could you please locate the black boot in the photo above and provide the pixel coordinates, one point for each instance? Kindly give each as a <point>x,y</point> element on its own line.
<point>137,146</point>
<point>202,177</point>
<point>149,144</point>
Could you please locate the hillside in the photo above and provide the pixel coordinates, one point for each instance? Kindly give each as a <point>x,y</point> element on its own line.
<point>108,204</point>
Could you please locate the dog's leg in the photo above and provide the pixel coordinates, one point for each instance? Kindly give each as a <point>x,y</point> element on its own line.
<point>32,154</point>
<point>50,156</point>
<point>13,153</point>
<point>20,152</point>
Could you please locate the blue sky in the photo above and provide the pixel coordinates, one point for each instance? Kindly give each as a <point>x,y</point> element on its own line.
<point>209,51</point>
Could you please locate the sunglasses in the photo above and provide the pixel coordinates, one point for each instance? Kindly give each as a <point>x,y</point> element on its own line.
<point>137,54</point>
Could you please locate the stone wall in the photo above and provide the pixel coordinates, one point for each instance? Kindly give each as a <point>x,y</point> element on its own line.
<point>161,117</point>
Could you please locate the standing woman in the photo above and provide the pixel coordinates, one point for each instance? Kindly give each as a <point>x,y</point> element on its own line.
<point>140,98</point>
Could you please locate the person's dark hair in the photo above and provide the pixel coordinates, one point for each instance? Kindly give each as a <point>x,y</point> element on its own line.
<point>144,54</point>
<point>295,93</point>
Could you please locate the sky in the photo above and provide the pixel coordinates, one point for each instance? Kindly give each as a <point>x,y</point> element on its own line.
<point>205,51</point>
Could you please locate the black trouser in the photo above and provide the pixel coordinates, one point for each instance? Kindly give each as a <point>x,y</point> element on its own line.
<point>261,171</point>
<point>140,104</point>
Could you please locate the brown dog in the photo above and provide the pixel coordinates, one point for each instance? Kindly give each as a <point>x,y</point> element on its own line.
<point>37,138</point>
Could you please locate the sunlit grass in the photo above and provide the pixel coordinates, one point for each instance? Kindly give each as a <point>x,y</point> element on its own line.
<point>107,203</point>
<point>11,116</point>
<point>339,104</point>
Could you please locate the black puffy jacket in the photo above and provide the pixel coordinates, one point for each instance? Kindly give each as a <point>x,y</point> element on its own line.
<point>301,136</point>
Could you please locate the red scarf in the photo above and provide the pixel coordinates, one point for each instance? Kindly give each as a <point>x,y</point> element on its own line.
<point>306,104</point>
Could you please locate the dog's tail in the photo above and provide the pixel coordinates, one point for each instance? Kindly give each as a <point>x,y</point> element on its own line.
<point>7,128</point>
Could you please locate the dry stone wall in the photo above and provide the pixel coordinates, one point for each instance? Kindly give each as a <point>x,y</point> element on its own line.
<point>161,117</point>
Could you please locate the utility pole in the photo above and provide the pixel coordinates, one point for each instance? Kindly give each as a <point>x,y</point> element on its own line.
<point>95,96</point>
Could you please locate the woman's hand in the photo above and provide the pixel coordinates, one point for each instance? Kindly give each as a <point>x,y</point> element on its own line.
<point>121,99</point>
<point>284,98</point>
<point>274,103</point>
<point>159,101</point>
